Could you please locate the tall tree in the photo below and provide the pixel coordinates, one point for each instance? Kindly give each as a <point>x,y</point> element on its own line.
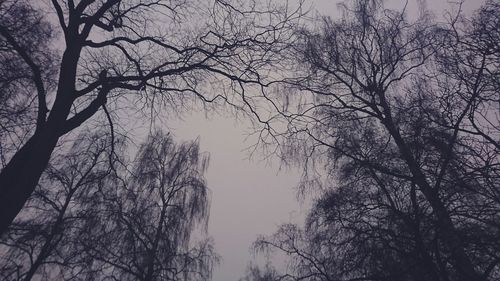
<point>42,244</point>
<point>404,115</point>
<point>146,232</point>
<point>91,219</point>
<point>152,49</point>
<point>25,40</point>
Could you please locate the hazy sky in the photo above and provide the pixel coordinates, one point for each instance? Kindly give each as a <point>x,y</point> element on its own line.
<point>250,198</point>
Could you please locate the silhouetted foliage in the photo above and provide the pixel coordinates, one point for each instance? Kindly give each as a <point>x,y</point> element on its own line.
<point>92,219</point>
<point>403,119</point>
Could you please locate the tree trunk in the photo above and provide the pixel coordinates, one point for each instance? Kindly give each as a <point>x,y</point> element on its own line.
<point>20,177</point>
<point>459,258</point>
<point>154,249</point>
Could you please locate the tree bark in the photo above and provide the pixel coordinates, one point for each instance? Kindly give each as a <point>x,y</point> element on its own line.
<point>20,176</point>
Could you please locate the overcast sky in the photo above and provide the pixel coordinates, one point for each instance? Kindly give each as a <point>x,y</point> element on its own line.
<point>250,198</point>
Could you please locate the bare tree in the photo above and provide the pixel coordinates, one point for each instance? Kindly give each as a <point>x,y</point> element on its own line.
<point>24,34</point>
<point>268,273</point>
<point>40,244</point>
<point>404,115</point>
<point>146,231</point>
<point>100,221</point>
<point>162,52</point>
<point>354,232</point>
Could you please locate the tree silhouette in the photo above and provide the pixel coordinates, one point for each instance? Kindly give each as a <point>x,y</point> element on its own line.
<point>100,221</point>
<point>269,273</point>
<point>25,39</point>
<point>150,216</point>
<point>151,50</point>
<point>42,243</point>
<point>404,117</point>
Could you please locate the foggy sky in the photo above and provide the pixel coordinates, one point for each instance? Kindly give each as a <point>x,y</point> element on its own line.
<point>250,198</point>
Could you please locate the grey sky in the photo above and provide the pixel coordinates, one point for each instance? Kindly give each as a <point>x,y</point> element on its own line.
<point>250,197</point>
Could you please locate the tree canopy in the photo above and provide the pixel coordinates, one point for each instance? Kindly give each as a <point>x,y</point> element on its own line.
<point>393,119</point>
<point>400,117</point>
<point>146,54</point>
